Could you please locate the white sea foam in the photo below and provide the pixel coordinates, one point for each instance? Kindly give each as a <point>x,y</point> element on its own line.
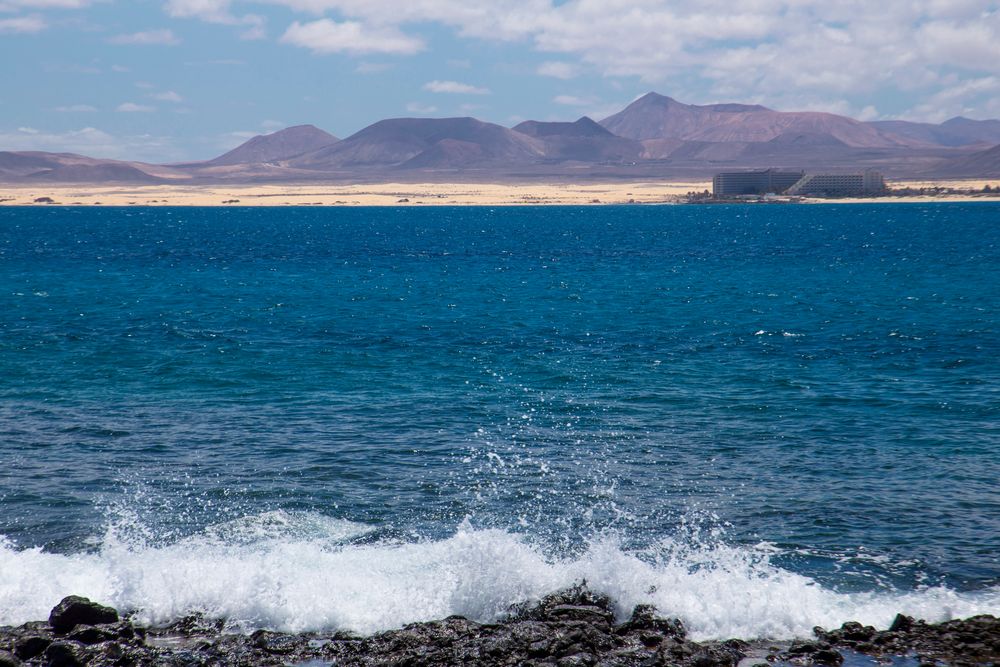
<point>303,572</point>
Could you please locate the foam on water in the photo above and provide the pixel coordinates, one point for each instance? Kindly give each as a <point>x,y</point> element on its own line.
<point>299,572</point>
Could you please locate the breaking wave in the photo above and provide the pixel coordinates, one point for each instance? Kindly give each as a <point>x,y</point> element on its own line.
<point>303,571</point>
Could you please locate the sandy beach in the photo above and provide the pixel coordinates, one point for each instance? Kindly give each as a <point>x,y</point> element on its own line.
<point>420,194</point>
<point>387,194</point>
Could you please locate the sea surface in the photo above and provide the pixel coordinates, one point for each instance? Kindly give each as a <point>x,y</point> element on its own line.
<point>758,418</point>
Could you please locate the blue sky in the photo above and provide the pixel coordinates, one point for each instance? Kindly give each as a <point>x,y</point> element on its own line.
<point>169,80</point>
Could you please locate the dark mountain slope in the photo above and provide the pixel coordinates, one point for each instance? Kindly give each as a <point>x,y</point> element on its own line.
<point>654,116</point>
<point>276,146</point>
<point>395,142</point>
<point>581,141</point>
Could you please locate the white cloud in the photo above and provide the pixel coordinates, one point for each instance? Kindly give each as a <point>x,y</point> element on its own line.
<point>132,107</point>
<point>455,87</point>
<point>416,107</point>
<point>148,38</point>
<point>168,96</point>
<point>834,53</point>
<point>558,70</point>
<point>868,113</point>
<point>849,54</point>
<point>326,36</point>
<point>23,25</point>
<point>217,11</point>
<point>93,142</point>
<point>76,108</point>
<point>962,43</point>
<point>953,100</point>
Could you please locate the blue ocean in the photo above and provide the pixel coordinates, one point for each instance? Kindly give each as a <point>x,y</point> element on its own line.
<point>757,418</point>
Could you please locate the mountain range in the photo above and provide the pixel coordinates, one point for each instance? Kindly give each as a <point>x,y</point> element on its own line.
<point>653,137</point>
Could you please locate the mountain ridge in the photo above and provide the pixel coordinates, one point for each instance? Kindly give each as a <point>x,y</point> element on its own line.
<point>655,116</point>
<point>655,136</point>
<point>281,145</point>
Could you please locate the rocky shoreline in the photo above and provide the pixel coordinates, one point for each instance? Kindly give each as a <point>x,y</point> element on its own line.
<point>572,628</point>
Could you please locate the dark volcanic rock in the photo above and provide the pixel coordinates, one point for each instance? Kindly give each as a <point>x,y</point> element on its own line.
<point>29,645</point>
<point>827,656</point>
<point>973,641</point>
<point>901,623</point>
<point>644,619</point>
<point>66,654</point>
<point>75,610</point>
<point>96,634</point>
<point>572,628</point>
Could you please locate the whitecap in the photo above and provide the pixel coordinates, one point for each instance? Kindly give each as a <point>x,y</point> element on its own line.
<point>294,580</point>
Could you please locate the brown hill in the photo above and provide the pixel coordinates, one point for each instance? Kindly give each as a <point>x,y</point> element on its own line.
<point>973,131</point>
<point>280,145</point>
<point>582,127</point>
<point>73,168</point>
<point>797,145</point>
<point>654,137</point>
<point>954,132</point>
<point>23,163</point>
<point>581,141</point>
<point>106,172</point>
<point>984,164</point>
<point>655,116</point>
<point>397,142</point>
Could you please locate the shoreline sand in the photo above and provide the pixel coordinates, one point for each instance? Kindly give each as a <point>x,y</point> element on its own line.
<point>385,194</point>
<point>420,194</point>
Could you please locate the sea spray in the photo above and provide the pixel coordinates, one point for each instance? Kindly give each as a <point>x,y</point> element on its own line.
<point>261,574</point>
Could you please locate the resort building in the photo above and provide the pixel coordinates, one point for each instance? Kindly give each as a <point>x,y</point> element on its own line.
<point>754,182</point>
<point>839,185</point>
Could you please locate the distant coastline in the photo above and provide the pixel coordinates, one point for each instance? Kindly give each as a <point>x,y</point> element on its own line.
<point>655,138</point>
<point>447,194</point>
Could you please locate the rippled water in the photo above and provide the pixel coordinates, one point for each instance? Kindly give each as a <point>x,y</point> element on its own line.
<point>757,418</point>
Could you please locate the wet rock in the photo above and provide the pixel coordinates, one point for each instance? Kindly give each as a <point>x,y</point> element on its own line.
<point>827,656</point>
<point>901,623</point>
<point>93,634</point>
<point>856,632</point>
<point>577,660</point>
<point>974,640</point>
<point>713,657</point>
<point>28,646</point>
<point>75,610</point>
<point>571,628</point>
<point>194,624</point>
<point>806,648</point>
<point>66,654</point>
<point>644,619</point>
<point>539,649</point>
<point>582,613</point>
<point>275,642</point>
